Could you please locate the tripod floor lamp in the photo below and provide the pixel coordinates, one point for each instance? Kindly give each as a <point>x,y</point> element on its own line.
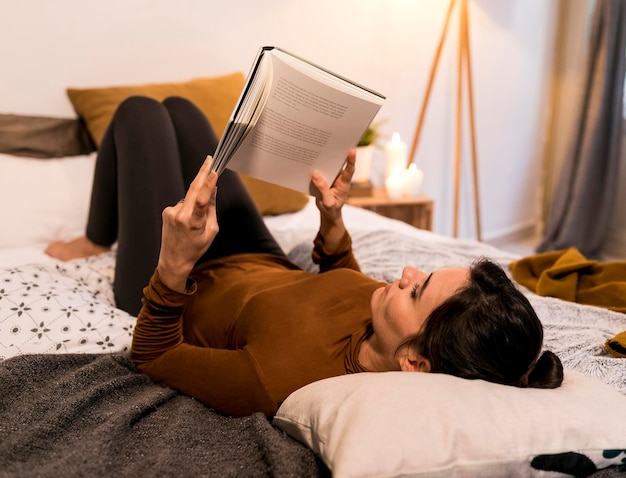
<point>464,72</point>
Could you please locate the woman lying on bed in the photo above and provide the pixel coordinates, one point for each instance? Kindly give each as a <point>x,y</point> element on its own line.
<point>229,320</point>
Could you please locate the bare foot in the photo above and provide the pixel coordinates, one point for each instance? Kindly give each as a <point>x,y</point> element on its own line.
<point>75,249</point>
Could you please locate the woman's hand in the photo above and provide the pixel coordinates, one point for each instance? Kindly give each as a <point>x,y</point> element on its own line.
<point>330,201</point>
<point>189,228</point>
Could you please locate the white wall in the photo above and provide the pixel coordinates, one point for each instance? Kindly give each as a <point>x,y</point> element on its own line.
<point>47,45</point>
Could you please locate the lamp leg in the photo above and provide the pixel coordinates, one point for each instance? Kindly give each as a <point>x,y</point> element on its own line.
<point>458,129</point>
<point>470,98</point>
<point>431,80</point>
<point>462,60</point>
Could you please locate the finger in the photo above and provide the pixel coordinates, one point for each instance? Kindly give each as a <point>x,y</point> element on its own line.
<point>169,213</point>
<point>348,170</point>
<point>212,224</point>
<point>320,183</point>
<point>326,195</point>
<point>199,180</point>
<point>207,189</point>
<point>351,159</point>
<point>205,201</point>
<point>195,191</point>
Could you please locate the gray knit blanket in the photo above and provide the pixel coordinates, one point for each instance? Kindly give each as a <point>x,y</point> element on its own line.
<point>94,415</point>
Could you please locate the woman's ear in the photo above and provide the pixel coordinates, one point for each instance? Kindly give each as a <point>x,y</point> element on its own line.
<point>411,361</point>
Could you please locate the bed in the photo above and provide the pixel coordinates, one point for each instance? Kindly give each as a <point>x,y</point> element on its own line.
<point>72,404</point>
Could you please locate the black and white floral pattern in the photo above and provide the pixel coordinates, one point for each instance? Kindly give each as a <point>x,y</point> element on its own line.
<point>62,308</point>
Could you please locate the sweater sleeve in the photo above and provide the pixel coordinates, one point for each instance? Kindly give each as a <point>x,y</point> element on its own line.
<point>340,258</point>
<point>230,381</point>
<point>159,323</point>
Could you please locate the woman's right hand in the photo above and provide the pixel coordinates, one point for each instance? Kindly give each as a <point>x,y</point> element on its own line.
<point>189,228</point>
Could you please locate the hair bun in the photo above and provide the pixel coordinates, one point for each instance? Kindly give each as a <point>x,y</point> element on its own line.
<point>547,372</point>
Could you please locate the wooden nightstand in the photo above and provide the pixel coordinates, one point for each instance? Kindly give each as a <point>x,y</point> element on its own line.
<point>416,210</point>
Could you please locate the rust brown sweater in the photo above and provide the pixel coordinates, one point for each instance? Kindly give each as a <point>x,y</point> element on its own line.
<point>252,328</point>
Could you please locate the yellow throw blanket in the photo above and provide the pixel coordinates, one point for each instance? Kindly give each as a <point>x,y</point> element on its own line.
<point>568,275</point>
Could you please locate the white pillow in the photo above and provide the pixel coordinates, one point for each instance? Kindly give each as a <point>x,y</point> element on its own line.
<point>44,200</point>
<point>435,425</point>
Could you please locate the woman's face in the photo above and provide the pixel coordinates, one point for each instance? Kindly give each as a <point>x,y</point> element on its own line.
<point>400,309</point>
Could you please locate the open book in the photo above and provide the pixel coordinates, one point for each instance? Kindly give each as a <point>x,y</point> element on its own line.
<point>293,117</point>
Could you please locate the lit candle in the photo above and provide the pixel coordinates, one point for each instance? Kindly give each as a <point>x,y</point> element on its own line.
<point>394,184</point>
<point>395,155</point>
<point>413,180</point>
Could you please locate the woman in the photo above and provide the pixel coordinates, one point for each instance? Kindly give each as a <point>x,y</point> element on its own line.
<point>226,318</point>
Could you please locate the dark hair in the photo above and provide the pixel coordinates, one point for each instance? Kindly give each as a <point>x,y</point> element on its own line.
<point>488,330</point>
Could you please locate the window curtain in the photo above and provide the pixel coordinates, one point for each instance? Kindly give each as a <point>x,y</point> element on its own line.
<point>580,212</point>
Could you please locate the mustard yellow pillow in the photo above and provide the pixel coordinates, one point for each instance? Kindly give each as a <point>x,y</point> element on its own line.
<point>272,199</point>
<point>215,96</point>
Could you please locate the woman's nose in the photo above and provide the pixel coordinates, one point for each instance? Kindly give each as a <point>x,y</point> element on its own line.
<point>410,275</point>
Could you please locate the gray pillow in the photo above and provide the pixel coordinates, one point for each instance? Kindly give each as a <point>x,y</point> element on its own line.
<point>43,137</point>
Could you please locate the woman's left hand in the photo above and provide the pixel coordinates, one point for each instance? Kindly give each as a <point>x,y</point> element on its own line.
<point>330,200</point>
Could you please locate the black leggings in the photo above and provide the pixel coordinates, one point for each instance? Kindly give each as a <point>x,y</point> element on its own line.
<point>148,157</point>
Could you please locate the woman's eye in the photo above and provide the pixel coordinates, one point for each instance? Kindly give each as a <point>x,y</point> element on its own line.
<point>414,291</point>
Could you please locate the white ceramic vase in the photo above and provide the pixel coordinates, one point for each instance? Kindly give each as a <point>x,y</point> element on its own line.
<point>363,168</point>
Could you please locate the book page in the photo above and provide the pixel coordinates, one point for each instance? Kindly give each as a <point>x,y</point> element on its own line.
<point>304,125</point>
<point>245,115</point>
